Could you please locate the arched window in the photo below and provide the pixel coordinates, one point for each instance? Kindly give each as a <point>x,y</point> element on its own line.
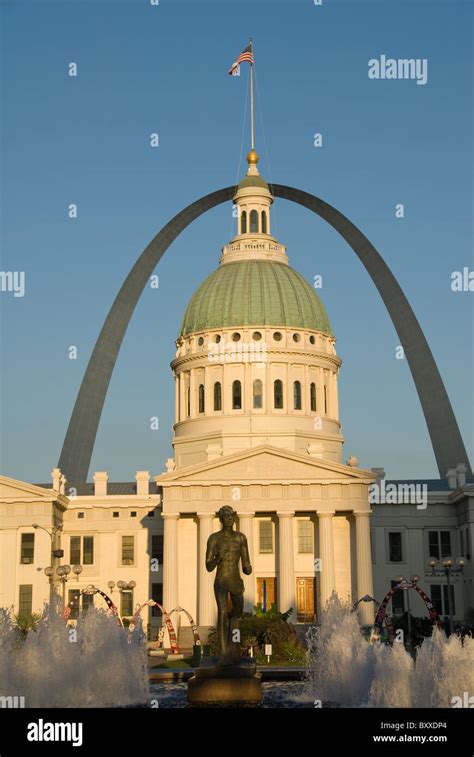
<point>312,397</point>
<point>257,394</point>
<point>278,394</point>
<point>217,396</point>
<point>236,395</point>
<point>264,222</point>
<point>253,222</point>
<point>325,400</point>
<point>297,395</point>
<point>188,402</point>
<point>243,222</point>
<point>201,398</point>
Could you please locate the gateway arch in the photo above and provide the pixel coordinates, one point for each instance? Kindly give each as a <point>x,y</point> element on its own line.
<point>443,429</point>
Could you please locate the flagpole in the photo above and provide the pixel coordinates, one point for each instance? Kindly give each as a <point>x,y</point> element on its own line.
<point>251,99</point>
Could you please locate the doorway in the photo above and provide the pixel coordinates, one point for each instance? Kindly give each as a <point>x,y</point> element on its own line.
<point>305,600</point>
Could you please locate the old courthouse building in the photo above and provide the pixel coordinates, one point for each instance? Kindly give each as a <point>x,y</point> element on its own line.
<point>256,426</point>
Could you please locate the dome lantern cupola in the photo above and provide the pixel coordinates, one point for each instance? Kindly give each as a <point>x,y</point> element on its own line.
<point>253,198</point>
<point>253,240</point>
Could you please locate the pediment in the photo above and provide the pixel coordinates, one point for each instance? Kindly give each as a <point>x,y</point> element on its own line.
<point>267,463</point>
<point>13,490</point>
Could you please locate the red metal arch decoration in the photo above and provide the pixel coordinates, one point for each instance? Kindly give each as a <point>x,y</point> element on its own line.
<point>379,618</point>
<point>109,602</point>
<point>166,617</point>
<point>197,640</point>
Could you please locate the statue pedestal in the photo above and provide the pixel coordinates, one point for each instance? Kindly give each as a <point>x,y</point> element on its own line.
<point>235,685</point>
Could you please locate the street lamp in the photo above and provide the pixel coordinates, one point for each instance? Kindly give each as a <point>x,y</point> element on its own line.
<point>63,572</point>
<point>77,570</point>
<point>56,555</point>
<point>447,567</point>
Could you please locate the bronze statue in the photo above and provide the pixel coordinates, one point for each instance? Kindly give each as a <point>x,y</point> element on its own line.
<point>224,550</point>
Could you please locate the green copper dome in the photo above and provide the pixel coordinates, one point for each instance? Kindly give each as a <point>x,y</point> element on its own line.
<point>254,293</point>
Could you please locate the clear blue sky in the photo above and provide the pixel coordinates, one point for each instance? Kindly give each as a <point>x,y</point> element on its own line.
<point>163,69</point>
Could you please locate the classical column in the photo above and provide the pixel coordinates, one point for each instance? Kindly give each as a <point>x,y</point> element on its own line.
<point>192,392</point>
<point>364,566</point>
<point>208,392</point>
<point>336,396</point>
<point>330,394</point>
<point>288,389</point>
<point>247,389</point>
<point>286,569</point>
<point>305,392</point>
<point>182,396</point>
<point>320,393</point>
<point>268,388</point>
<point>176,400</point>
<point>327,574</point>
<point>246,527</point>
<point>170,560</point>
<point>206,602</point>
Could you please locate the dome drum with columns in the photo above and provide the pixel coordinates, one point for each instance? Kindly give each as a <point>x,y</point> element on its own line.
<point>257,426</point>
<point>255,360</point>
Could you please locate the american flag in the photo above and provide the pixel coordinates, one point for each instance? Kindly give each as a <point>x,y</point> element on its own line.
<point>246,54</point>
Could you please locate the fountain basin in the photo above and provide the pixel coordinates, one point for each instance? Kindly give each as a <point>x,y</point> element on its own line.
<point>214,685</point>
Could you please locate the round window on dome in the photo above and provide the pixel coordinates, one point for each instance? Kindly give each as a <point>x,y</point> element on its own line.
<point>296,337</point>
<point>312,340</point>
<point>256,336</point>
<point>201,341</point>
<point>277,336</point>
<point>217,338</point>
<point>236,336</point>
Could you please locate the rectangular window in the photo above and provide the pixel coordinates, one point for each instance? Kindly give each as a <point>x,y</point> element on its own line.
<point>27,549</point>
<point>445,543</point>
<point>433,544</point>
<point>451,606</point>
<point>157,596</point>
<point>127,550</point>
<point>439,544</point>
<point>265,536</point>
<point>126,603</point>
<point>81,550</point>
<point>461,542</point>
<point>157,547</point>
<point>88,550</point>
<point>398,600</point>
<point>74,599</point>
<point>25,604</point>
<point>87,601</point>
<point>395,546</point>
<point>75,550</point>
<point>435,592</point>
<point>439,597</point>
<point>305,537</point>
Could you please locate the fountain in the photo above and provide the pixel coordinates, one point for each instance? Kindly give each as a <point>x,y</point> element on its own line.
<point>91,665</point>
<point>344,670</point>
<point>100,664</point>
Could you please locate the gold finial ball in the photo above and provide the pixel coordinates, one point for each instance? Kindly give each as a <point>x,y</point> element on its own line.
<point>252,158</point>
